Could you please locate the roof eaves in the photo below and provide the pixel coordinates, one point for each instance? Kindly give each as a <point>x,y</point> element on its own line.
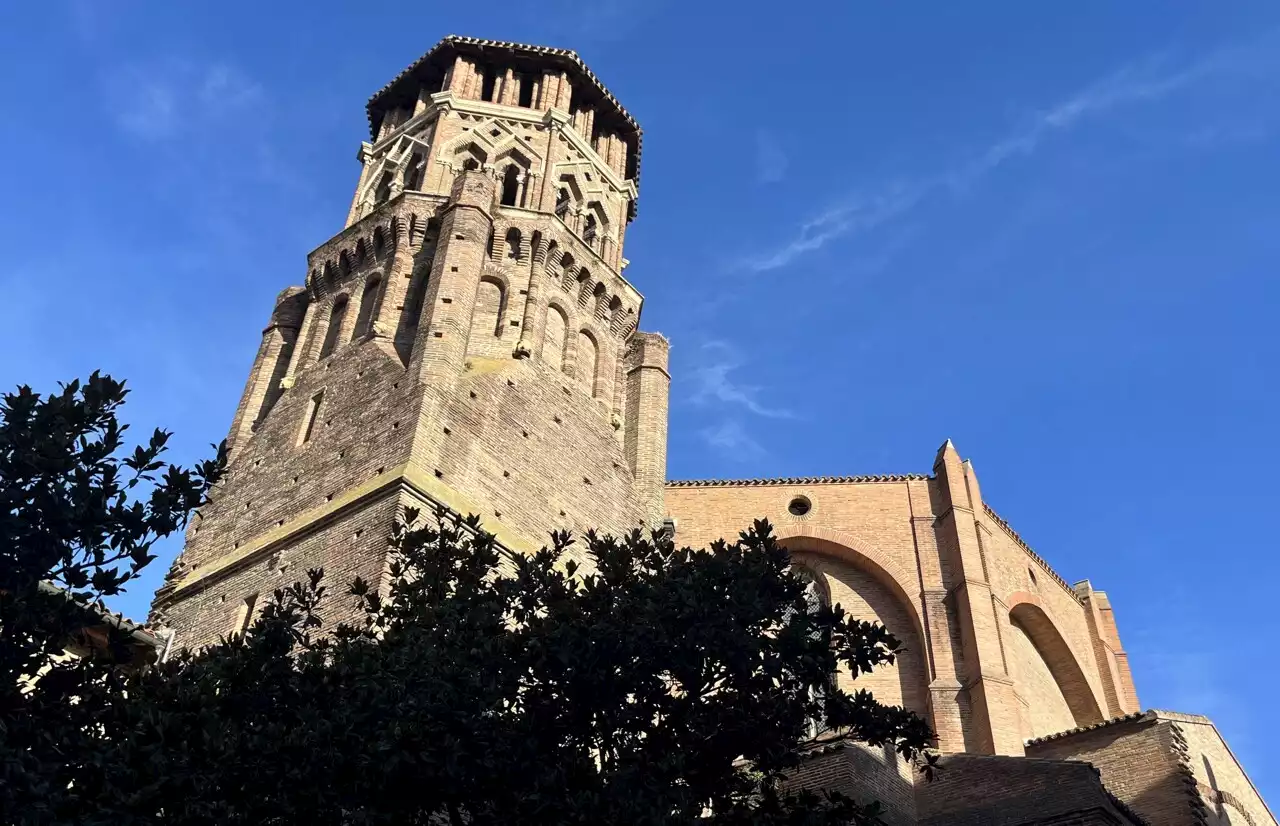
<point>794,480</point>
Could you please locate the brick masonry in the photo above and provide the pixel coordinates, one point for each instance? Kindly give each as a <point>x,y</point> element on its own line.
<point>469,339</point>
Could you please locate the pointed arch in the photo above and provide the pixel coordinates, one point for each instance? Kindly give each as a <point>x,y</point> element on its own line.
<point>587,361</point>
<point>511,186</point>
<point>379,243</point>
<point>553,336</point>
<point>1027,614</point>
<point>368,307</point>
<point>414,170</point>
<point>600,297</point>
<point>488,318</point>
<point>513,243</point>
<point>332,332</point>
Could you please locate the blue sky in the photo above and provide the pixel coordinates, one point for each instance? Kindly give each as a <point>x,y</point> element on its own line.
<point>1047,232</point>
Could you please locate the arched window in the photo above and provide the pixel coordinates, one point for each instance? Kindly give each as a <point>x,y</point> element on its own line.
<point>584,287</point>
<point>331,333</point>
<point>487,319</point>
<point>815,597</point>
<point>563,202</point>
<point>589,231</point>
<point>553,334</point>
<point>567,273</point>
<point>368,308</point>
<point>379,243</point>
<point>601,298</point>
<point>513,244</point>
<point>384,188</point>
<point>510,185</point>
<point>417,296</point>
<point>588,361</point>
<point>413,172</point>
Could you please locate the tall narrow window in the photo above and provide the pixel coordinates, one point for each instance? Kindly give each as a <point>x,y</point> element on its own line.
<point>368,309</point>
<point>589,231</point>
<point>384,188</point>
<point>331,334</point>
<point>511,185</point>
<point>526,89</point>
<point>413,172</point>
<point>513,244</point>
<point>562,203</point>
<point>244,614</point>
<point>588,361</point>
<point>313,414</point>
<point>487,83</point>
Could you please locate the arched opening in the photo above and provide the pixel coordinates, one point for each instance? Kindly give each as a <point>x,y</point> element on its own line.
<point>563,202</point>
<point>615,313</point>
<point>1049,679</point>
<point>567,272</point>
<point>588,362</point>
<point>337,313</point>
<point>601,299</point>
<point>413,172</point>
<point>488,83</point>
<point>487,319</point>
<point>584,287</point>
<point>868,590</point>
<point>511,185</point>
<point>383,192</point>
<point>362,252</point>
<point>368,308</point>
<point>589,231</point>
<point>513,243</point>
<point>471,164</point>
<point>553,335</point>
<point>379,243</point>
<point>344,264</point>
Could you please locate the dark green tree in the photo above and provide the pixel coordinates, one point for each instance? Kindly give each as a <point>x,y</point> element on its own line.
<point>79,515</point>
<point>618,681</point>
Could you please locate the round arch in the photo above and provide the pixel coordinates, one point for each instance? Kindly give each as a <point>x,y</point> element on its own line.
<point>1027,612</point>
<point>862,555</point>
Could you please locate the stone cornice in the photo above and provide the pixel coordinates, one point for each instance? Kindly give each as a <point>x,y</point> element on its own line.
<point>404,477</point>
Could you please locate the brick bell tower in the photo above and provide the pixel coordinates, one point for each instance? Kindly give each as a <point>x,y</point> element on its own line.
<point>468,339</point>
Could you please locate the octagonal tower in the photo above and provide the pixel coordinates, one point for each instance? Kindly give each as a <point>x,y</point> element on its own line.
<point>468,339</point>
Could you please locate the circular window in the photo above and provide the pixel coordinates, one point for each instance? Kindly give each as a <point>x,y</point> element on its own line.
<point>799,506</point>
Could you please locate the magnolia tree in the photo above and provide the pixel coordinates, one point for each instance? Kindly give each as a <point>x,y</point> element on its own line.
<point>649,685</point>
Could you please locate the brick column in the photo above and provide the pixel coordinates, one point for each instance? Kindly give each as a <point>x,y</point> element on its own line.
<point>995,717</point>
<point>270,364</point>
<point>395,281</point>
<point>530,326</point>
<point>455,273</point>
<point>648,389</point>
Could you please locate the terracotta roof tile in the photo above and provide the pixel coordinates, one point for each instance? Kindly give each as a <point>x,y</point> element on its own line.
<point>793,480</point>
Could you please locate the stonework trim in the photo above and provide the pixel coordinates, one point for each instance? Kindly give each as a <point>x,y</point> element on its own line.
<point>402,477</point>
<point>1028,612</point>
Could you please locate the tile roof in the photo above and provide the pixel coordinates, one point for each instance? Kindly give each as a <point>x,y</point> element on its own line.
<point>1114,721</point>
<point>566,57</point>
<point>793,480</point>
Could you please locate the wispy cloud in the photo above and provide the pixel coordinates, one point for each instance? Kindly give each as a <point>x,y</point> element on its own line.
<point>730,438</point>
<point>771,160</point>
<point>167,99</point>
<point>713,383</point>
<point>1145,81</point>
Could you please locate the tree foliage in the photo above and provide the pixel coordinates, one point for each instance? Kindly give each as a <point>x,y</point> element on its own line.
<point>618,681</point>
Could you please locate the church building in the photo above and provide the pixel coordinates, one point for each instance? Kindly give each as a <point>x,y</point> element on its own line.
<point>469,339</point>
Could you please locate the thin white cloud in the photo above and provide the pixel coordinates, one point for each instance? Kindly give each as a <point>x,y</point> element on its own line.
<point>771,160</point>
<point>1146,81</point>
<point>166,99</point>
<point>731,439</point>
<point>713,383</point>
